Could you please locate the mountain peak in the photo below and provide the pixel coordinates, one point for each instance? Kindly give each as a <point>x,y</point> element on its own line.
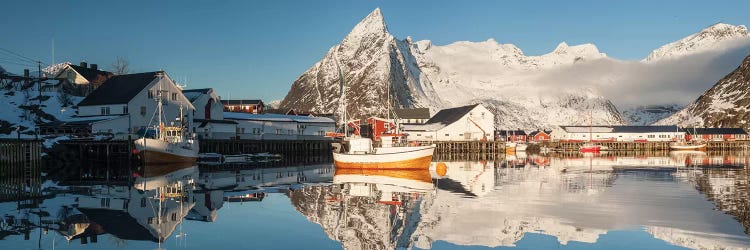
<point>561,48</point>
<point>372,23</point>
<point>710,38</point>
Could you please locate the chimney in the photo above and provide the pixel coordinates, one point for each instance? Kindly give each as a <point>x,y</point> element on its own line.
<point>94,66</point>
<point>84,65</point>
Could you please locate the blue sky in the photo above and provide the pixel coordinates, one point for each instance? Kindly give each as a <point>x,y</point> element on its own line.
<point>256,49</point>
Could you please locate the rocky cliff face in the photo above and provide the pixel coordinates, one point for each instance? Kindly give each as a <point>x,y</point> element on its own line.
<point>726,104</point>
<point>374,65</point>
<point>358,222</point>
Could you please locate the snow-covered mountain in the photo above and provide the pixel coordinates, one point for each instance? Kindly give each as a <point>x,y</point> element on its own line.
<point>714,37</point>
<point>418,74</point>
<point>542,91</point>
<point>371,60</point>
<point>726,104</point>
<point>646,115</point>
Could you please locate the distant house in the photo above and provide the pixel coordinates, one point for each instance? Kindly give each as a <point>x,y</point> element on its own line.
<point>512,135</point>
<point>244,106</point>
<point>126,103</point>
<point>467,123</point>
<point>280,127</point>
<point>619,133</point>
<point>716,134</point>
<point>540,136</point>
<point>82,79</point>
<point>412,116</point>
<point>208,117</point>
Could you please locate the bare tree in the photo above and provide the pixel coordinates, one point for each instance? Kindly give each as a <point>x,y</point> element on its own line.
<point>121,66</point>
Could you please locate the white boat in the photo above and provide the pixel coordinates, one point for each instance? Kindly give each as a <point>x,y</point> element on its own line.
<point>687,146</point>
<point>358,153</point>
<point>169,143</point>
<point>362,155</point>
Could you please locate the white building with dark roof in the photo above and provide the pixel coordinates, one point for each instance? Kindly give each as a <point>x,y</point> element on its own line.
<point>208,117</point>
<point>619,133</point>
<point>280,127</point>
<point>467,123</point>
<point>126,103</point>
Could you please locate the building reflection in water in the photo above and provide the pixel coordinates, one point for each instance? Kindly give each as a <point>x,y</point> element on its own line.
<point>695,200</point>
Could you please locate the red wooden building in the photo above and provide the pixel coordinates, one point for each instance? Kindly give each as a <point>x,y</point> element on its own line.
<point>512,135</point>
<point>244,106</point>
<point>715,134</point>
<point>540,136</point>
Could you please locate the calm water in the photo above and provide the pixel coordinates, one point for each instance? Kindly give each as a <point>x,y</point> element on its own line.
<point>666,201</point>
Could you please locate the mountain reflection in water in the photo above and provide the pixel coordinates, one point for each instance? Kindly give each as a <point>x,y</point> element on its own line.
<point>693,200</point>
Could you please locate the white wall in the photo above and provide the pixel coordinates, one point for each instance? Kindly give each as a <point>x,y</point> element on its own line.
<point>171,107</point>
<point>289,130</point>
<point>221,131</point>
<point>461,130</point>
<point>655,136</point>
<point>217,109</point>
<point>117,126</point>
<point>137,120</point>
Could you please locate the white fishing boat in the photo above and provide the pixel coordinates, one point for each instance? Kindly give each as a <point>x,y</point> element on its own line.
<point>168,144</point>
<point>359,152</point>
<point>687,146</point>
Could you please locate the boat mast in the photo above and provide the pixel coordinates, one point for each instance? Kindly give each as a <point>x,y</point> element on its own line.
<point>591,124</point>
<point>342,98</point>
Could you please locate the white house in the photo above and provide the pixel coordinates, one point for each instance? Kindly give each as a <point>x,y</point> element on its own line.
<point>467,123</point>
<point>126,103</point>
<point>618,133</point>
<point>280,127</point>
<point>208,116</point>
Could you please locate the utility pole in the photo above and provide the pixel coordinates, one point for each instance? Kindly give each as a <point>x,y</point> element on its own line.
<point>39,81</point>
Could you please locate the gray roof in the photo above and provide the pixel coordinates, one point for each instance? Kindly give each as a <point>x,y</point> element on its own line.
<point>238,102</point>
<point>448,116</point>
<point>715,131</point>
<point>119,89</point>
<point>415,113</point>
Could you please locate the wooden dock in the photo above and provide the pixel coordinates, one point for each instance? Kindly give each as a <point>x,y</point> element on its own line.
<point>20,169</point>
<point>284,147</point>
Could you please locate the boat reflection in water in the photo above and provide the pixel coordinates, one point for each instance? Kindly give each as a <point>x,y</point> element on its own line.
<point>149,210</point>
<point>696,200</point>
<point>368,209</point>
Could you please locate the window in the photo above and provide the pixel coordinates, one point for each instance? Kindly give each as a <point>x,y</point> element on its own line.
<point>150,94</point>
<point>291,132</point>
<point>174,96</point>
<point>143,110</point>
<point>143,202</point>
<point>105,110</point>
<point>447,134</point>
<point>125,109</point>
<point>243,130</point>
<point>174,217</point>
<point>419,134</point>
<point>321,133</point>
<point>150,220</point>
<point>278,131</point>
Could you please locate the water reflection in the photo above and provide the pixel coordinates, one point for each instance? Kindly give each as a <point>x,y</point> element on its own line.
<point>694,200</point>
<point>372,209</point>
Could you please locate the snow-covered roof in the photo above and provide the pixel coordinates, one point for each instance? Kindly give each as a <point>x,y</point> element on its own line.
<point>276,117</point>
<point>621,129</point>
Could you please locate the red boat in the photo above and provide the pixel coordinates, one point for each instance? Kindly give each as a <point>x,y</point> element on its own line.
<point>590,148</point>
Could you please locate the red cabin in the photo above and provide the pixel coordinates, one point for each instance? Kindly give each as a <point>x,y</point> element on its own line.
<point>540,136</point>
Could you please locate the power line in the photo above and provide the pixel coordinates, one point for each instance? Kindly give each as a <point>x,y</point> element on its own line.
<point>17,63</point>
<point>21,56</point>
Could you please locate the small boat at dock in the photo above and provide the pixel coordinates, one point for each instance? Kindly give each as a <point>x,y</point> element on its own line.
<point>687,146</point>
